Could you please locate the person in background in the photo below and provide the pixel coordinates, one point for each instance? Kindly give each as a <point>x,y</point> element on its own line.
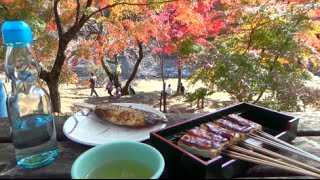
<point>109,86</point>
<point>169,89</point>
<point>118,91</point>
<point>131,90</point>
<point>182,88</point>
<point>3,98</point>
<point>93,82</point>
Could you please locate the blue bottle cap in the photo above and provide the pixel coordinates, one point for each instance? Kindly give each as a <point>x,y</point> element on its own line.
<point>16,33</point>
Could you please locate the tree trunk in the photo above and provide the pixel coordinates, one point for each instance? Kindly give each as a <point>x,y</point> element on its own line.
<point>202,103</point>
<point>179,76</point>
<point>198,106</point>
<point>179,81</point>
<point>125,89</point>
<point>106,68</point>
<point>116,81</point>
<point>52,77</point>
<point>164,98</point>
<point>54,95</point>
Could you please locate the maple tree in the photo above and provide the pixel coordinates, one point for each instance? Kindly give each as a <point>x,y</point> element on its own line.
<point>127,31</point>
<point>135,29</point>
<point>186,26</point>
<point>67,18</point>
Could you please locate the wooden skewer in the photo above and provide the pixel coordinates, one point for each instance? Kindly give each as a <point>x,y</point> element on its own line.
<point>277,145</point>
<point>257,155</point>
<point>243,157</point>
<point>271,158</point>
<point>276,155</point>
<point>311,156</point>
<point>284,147</point>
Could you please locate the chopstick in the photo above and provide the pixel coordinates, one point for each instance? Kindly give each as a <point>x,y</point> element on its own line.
<point>279,164</point>
<point>276,155</point>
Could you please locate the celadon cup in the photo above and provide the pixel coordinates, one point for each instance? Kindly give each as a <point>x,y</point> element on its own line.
<point>118,150</point>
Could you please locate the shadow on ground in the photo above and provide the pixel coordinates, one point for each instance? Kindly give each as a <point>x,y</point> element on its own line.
<point>175,104</point>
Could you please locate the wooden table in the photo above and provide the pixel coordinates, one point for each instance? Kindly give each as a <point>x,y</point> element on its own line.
<point>308,139</point>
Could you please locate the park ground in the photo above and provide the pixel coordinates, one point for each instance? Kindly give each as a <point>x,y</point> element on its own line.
<point>148,93</point>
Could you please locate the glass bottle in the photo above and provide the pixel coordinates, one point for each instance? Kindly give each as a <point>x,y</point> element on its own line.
<point>28,105</point>
<point>3,97</point>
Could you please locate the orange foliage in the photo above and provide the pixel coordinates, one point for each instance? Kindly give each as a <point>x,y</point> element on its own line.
<point>51,26</point>
<point>7,1</point>
<point>283,61</point>
<point>314,13</point>
<point>193,20</point>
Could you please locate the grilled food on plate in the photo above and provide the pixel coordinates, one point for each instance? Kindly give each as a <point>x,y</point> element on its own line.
<point>124,116</point>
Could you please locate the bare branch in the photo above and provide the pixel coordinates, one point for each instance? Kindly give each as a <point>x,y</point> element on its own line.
<point>252,31</point>
<point>57,17</point>
<point>89,3</point>
<point>132,4</point>
<point>85,18</point>
<point>79,24</point>
<point>77,12</point>
<point>72,55</point>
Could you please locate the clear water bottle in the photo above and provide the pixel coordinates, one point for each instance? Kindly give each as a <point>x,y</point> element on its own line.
<point>3,97</point>
<point>28,105</point>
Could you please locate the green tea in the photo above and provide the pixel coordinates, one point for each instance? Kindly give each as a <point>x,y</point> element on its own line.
<point>121,169</point>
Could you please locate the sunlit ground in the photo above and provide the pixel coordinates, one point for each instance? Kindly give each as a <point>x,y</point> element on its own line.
<point>148,93</point>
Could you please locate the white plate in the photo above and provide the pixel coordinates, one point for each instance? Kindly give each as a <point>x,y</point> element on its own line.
<point>93,131</point>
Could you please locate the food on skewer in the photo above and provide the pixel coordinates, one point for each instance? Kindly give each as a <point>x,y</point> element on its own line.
<point>241,130</point>
<point>220,127</point>
<point>199,141</point>
<point>200,146</point>
<point>244,122</point>
<point>202,142</point>
<point>126,116</point>
<point>214,128</point>
<point>202,133</point>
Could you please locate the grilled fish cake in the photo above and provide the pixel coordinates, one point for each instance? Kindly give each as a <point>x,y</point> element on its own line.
<point>126,116</point>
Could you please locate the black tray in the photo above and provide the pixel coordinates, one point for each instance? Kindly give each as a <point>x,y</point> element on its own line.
<point>181,163</point>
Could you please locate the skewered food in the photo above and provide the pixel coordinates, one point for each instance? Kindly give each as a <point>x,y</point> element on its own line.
<point>214,128</point>
<point>203,143</point>
<point>244,122</point>
<point>200,146</point>
<point>126,116</point>
<point>202,133</point>
<point>241,130</point>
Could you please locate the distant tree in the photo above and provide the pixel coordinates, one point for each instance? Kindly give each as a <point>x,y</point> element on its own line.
<point>261,57</point>
<point>187,26</point>
<point>198,95</point>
